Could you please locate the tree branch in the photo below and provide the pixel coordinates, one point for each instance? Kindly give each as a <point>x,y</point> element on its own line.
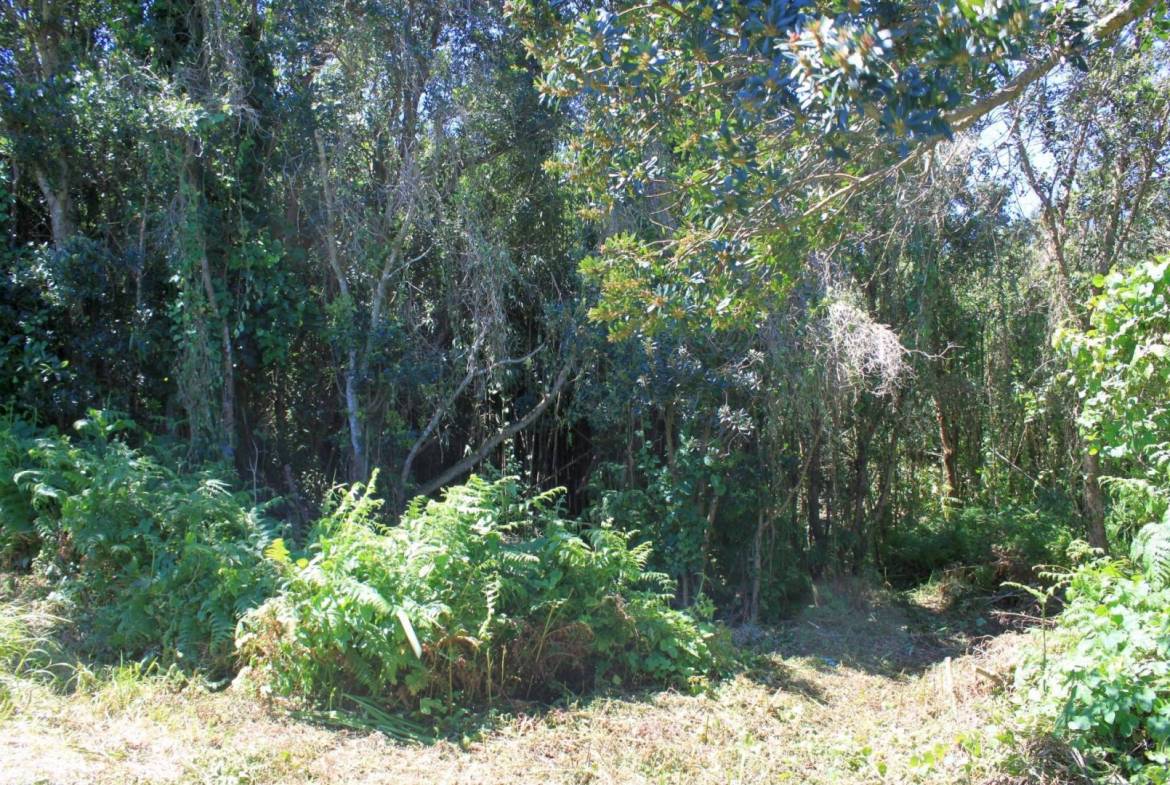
<point>961,119</point>
<point>507,432</point>
<point>1107,27</point>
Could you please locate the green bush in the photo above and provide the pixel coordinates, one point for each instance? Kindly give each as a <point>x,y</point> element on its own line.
<point>164,562</point>
<point>999,544</point>
<point>486,593</point>
<point>1101,677</point>
<point>19,542</point>
<point>669,507</point>
<point>1120,367</point>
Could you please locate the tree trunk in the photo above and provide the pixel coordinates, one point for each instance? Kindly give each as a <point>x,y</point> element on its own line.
<point>858,492</point>
<point>62,223</point>
<point>881,512</point>
<point>816,532</point>
<point>763,521</point>
<point>358,469</point>
<point>192,189</point>
<point>948,440</point>
<point>1094,500</point>
<point>671,449</point>
<point>631,477</point>
<point>705,550</point>
<point>228,393</point>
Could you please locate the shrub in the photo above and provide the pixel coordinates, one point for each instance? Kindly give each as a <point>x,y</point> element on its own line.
<point>1120,367</point>
<point>671,507</point>
<point>19,542</point>
<point>1000,544</point>
<point>167,562</point>
<point>1101,677</point>
<point>483,594</point>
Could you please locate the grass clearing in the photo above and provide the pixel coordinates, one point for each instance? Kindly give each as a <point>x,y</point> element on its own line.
<point>863,687</point>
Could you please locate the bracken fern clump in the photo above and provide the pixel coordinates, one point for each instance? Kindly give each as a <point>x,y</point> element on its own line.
<point>163,562</point>
<point>486,593</point>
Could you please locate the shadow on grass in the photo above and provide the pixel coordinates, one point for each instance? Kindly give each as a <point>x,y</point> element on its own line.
<point>846,624</point>
<point>849,623</point>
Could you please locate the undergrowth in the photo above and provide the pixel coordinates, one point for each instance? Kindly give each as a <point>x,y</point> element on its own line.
<point>487,594</point>
<point>1100,679</point>
<point>161,563</point>
<point>482,595</point>
<point>990,544</point>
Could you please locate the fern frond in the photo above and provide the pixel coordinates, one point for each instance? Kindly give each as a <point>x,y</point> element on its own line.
<point>1151,550</point>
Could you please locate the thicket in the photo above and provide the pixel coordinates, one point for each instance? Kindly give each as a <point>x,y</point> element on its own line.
<point>161,562</point>
<point>988,544</point>
<point>310,243</point>
<point>1102,676</point>
<point>485,593</point>
<point>791,321</point>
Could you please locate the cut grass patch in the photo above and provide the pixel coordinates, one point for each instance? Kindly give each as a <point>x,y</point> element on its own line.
<point>862,687</point>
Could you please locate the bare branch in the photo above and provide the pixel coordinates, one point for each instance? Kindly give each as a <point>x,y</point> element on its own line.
<point>507,432</point>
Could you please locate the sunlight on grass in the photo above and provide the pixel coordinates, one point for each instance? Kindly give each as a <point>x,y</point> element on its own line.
<point>890,705</point>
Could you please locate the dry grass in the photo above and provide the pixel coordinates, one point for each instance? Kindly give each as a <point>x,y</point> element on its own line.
<point>860,689</point>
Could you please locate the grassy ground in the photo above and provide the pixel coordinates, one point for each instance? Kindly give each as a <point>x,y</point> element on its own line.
<point>862,687</point>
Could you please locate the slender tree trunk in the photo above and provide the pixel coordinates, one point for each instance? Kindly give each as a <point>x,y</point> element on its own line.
<point>948,441</point>
<point>671,449</point>
<point>630,474</point>
<point>881,512</point>
<point>192,190</point>
<point>858,493</point>
<point>763,523</point>
<point>228,393</point>
<point>46,26</point>
<point>705,551</point>
<point>816,531</point>
<point>1094,500</point>
<point>140,266</point>
<point>358,469</point>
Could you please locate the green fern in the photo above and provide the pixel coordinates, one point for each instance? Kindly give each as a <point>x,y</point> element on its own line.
<point>1151,550</point>
<point>493,595</point>
<point>167,561</point>
<point>19,540</point>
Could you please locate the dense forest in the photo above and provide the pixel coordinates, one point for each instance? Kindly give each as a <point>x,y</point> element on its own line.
<point>414,356</point>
